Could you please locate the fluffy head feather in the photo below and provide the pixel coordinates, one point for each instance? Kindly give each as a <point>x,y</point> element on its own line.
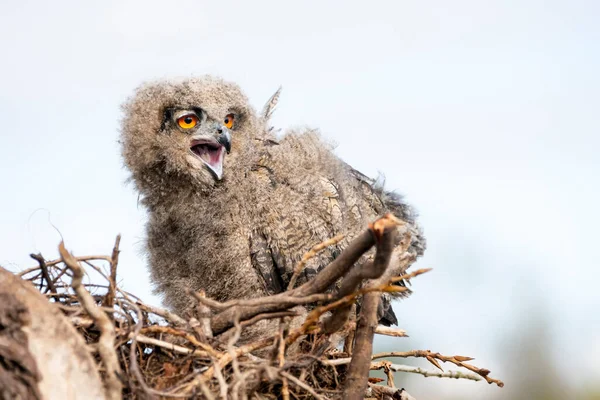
<point>154,151</point>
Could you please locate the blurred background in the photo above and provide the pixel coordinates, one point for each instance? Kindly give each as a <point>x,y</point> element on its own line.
<point>484,114</point>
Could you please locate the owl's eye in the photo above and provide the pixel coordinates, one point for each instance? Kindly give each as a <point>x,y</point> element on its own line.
<point>187,121</point>
<point>229,120</point>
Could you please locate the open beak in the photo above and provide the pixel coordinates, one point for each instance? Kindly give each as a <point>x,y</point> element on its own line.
<point>211,151</point>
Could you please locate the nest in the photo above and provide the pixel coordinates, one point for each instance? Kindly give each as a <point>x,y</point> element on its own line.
<point>142,351</point>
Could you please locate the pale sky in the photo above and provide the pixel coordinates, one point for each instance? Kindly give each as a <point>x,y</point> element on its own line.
<point>483,113</point>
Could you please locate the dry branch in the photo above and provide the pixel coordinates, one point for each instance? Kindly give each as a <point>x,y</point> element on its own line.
<point>358,372</point>
<point>318,284</point>
<point>385,231</point>
<point>312,253</point>
<point>107,329</point>
<point>433,357</point>
<point>384,392</point>
<point>109,300</point>
<point>44,269</point>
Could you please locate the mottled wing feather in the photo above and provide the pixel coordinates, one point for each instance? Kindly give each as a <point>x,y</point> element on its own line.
<point>278,249</point>
<point>263,261</point>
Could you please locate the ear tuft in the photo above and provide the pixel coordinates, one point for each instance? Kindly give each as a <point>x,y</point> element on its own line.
<point>269,107</point>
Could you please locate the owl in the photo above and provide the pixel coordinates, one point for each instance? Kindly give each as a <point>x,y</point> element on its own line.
<point>233,207</point>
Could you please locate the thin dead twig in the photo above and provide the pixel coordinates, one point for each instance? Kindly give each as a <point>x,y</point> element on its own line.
<point>317,285</point>
<point>240,351</point>
<point>379,391</point>
<point>109,299</point>
<point>234,359</point>
<point>175,332</point>
<point>170,346</point>
<point>312,253</point>
<point>255,319</point>
<point>385,230</point>
<point>45,274</point>
<point>202,325</point>
<point>433,357</point>
<point>358,370</point>
<point>301,384</point>
<point>408,368</point>
<point>282,300</point>
<point>389,331</point>
<point>285,389</point>
<point>107,329</point>
<point>161,312</point>
<point>424,372</point>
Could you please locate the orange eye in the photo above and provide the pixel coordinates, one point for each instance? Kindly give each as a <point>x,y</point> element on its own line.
<point>229,120</point>
<point>187,121</point>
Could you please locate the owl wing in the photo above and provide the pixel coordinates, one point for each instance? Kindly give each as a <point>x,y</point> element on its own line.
<point>290,226</point>
<point>339,204</point>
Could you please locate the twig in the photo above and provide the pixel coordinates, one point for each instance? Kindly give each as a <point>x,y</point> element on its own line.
<point>281,300</point>
<point>318,284</point>
<point>202,325</point>
<point>231,351</point>
<point>170,346</point>
<point>285,389</point>
<point>222,383</point>
<point>389,331</point>
<point>424,372</point>
<point>383,330</point>
<point>255,319</point>
<point>313,252</point>
<point>385,392</point>
<point>107,329</point>
<point>408,368</point>
<point>301,384</point>
<point>358,371</point>
<point>133,364</point>
<point>385,229</point>
<point>45,274</point>
<point>242,350</point>
<point>190,338</point>
<point>432,357</point>
<point>226,359</point>
<point>109,299</point>
<point>161,312</point>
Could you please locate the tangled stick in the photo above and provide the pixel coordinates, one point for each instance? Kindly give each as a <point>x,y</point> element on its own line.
<point>313,252</point>
<point>324,279</point>
<point>433,357</point>
<point>107,329</point>
<point>385,231</point>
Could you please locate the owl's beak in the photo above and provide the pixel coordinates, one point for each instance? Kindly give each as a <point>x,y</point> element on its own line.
<point>211,150</point>
<point>225,138</point>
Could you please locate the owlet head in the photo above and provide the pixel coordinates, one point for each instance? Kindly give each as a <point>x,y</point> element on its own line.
<point>198,128</point>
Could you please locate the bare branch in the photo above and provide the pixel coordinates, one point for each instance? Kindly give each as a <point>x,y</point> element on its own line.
<point>358,371</point>
<point>313,252</point>
<point>379,391</point>
<point>45,274</point>
<point>432,357</point>
<point>166,314</point>
<point>107,329</point>
<point>319,284</point>
<point>170,346</point>
<point>109,299</point>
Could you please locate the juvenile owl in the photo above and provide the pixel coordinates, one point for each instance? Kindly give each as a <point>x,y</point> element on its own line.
<point>233,208</point>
